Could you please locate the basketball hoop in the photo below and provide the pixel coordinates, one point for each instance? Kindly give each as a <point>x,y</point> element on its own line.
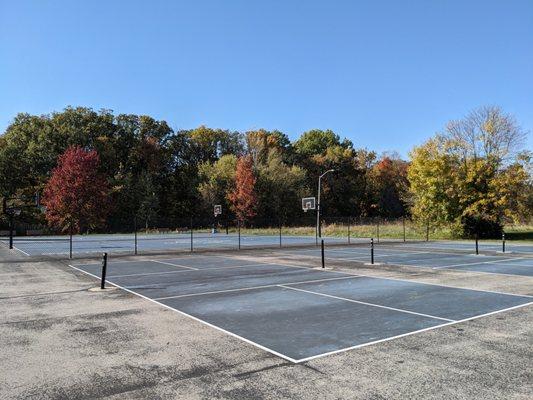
<point>308,203</point>
<point>217,210</point>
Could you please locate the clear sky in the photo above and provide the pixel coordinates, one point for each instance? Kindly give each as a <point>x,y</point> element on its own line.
<point>385,74</point>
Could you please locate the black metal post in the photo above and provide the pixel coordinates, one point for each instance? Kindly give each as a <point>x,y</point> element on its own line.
<point>371,250</point>
<point>239,231</point>
<point>135,232</point>
<point>11,229</point>
<point>477,245</point>
<point>503,242</point>
<point>403,223</point>
<point>227,228</point>
<point>322,252</point>
<point>104,270</point>
<point>70,240</point>
<point>191,236</point>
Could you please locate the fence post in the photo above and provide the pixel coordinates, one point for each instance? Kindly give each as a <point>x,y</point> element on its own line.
<point>280,233</point>
<point>70,239</point>
<point>191,236</point>
<point>104,270</point>
<point>135,232</point>
<point>322,252</point>
<point>403,223</point>
<point>503,242</point>
<point>11,228</point>
<point>372,251</point>
<point>477,245</point>
<point>348,230</point>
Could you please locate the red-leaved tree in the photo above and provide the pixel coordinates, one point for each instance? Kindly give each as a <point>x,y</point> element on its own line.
<point>243,199</point>
<point>76,192</point>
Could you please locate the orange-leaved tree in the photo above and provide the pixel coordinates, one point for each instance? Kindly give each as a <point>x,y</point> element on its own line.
<point>243,198</point>
<point>77,193</point>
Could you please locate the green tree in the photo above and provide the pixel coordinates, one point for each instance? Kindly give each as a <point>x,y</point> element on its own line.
<point>217,181</point>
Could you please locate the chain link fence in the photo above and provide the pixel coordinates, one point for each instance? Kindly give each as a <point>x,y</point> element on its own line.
<point>138,235</point>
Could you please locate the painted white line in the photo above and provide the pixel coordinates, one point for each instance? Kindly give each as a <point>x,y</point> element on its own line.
<point>182,271</point>
<point>482,262</point>
<point>409,333</point>
<point>196,319</point>
<point>175,265</point>
<point>23,252</point>
<point>251,288</point>
<point>460,270</point>
<point>365,303</point>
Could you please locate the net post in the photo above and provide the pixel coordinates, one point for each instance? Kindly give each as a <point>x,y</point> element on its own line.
<point>403,224</point>
<point>503,242</point>
<point>70,239</point>
<point>322,252</point>
<point>192,240</point>
<point>477,245</point>
<point>104,270</point>
<point>372,251</point>
<point>135,232</point>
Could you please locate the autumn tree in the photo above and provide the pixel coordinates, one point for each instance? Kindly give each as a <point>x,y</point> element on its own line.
<point>390,185</point>
<point>243,198</point>
<point>472,176</point>
<point>77,192</point>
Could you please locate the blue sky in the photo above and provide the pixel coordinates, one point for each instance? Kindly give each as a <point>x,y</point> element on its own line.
<point>385,74</point>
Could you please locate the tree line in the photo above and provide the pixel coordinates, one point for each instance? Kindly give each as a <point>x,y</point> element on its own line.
<point>101,169</point>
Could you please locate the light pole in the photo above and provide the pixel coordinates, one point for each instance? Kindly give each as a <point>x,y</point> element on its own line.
<point>318,203</point>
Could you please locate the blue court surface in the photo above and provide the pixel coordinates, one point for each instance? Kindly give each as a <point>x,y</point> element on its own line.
<point>119,243</point>
<point>295,312</point>
<point>512,264</point>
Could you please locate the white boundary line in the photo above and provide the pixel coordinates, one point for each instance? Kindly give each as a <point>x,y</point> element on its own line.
<point>22,251</point>
<point>253,288</point>
<point>462,270</point>
<point>410,333</point>
<point>181,271</point>
<point>483,262</point>
<point>175,265</point>
<point>364,302</point>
